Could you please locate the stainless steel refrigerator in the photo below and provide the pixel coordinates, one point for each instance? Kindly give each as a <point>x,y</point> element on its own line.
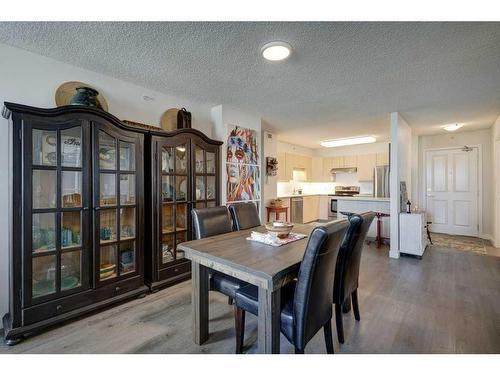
<point>381,181</point>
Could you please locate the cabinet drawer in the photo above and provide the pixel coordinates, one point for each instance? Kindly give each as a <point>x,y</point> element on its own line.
<point>177,270</point>
<point>67,304</point>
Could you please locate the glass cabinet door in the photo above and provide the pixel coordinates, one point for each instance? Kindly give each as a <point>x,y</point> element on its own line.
<point>174,199</point>
<point>205,177</point>
<point>58,206</point>
<point>116,206</point>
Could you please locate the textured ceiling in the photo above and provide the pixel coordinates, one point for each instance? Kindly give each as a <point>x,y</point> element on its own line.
<point>341,80</point>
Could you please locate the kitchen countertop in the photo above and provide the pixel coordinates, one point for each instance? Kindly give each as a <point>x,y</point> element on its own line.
<point>340,197</point>
<point>363,198</point>
<point>299,195</point>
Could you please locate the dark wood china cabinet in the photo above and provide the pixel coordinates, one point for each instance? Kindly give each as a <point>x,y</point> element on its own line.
<point>77,241</point>
<point>184,173</point>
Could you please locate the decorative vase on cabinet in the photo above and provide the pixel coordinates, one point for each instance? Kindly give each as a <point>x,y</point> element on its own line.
<point>76,171</point>
<point>183,174</point>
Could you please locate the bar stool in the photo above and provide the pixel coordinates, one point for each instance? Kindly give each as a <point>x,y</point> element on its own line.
<point>428,232</point>
<point>379,237</point>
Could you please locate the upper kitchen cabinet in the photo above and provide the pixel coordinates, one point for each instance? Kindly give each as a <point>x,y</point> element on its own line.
<point>366,164</point>
<point>300,164</point>
<point>337,162</point>
<point>382,158</point>
<point>282,170</point>
<point>317,169</point>
<point>348,161</point>
<point>327,166</point>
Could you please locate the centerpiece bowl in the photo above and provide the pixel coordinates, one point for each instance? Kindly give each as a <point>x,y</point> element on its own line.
<point>280,228</point>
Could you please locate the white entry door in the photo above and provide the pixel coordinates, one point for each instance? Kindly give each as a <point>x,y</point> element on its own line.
<point>452,191</point>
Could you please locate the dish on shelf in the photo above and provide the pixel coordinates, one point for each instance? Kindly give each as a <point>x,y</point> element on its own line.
<point>167,253</point>
<point>107,271</point>
<point>72,200</point>
<point>279,228</point>
<point>43,287</point>
<point>69,282</point>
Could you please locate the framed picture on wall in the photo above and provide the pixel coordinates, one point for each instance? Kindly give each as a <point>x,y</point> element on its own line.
<point>242,165</point>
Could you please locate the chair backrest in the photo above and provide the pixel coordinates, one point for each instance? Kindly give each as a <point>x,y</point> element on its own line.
<point>245,215</point>
<point>349,259</point>
<point>313,294</point>
<point>211,221</point>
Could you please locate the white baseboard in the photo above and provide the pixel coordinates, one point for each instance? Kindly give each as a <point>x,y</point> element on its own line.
<point>488,237</point>
<point>394,254</point>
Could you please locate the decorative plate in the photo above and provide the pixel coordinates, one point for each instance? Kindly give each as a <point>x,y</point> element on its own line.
<point>43,287</point>
<point>68,282</point>
<point>67,90</point>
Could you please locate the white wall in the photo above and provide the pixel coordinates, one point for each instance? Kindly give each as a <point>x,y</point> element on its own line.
<point>495,140</point>
<point>294,149</point>
<point>270,183</point>
<point>401,170</point>
<point>481,138</point>
<point>32,79</point>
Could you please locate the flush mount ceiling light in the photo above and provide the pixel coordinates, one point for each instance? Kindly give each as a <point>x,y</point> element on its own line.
<point>347,141</point>
<point>452,127</point>
<point>276,51</point>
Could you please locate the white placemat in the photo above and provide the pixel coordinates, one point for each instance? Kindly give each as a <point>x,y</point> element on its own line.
<point>273,240</point>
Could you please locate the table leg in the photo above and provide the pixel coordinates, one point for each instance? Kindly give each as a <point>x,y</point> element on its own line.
<point>269,321</point>
<point>286,215</point>
<point>199,277</point>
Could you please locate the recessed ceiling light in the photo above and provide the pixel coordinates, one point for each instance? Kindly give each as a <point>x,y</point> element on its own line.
<point>276,51</point>
<point>347,141</point>
<point>452,127</point>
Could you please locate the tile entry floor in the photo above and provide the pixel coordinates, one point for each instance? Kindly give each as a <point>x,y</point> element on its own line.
<point>448,302</point>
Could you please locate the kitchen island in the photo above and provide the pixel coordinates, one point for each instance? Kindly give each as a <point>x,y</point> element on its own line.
<point>360,204</point>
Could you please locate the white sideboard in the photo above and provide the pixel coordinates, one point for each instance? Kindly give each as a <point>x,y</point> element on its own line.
<point>412,233</point>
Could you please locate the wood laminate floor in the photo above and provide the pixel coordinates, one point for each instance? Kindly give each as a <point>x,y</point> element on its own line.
<point>448,302</point>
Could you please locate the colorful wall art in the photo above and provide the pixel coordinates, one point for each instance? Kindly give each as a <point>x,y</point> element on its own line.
<point>242,146</point>
<point>243,182</point>
<point>242,165</point>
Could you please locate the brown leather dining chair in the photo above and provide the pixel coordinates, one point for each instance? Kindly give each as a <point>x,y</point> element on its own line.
<point>211,222</point>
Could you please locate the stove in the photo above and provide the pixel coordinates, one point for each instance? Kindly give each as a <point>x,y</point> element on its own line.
<point>346,190</point>
<point>340,191</point>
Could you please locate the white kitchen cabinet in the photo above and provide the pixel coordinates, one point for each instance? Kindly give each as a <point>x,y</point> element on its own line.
<point>382,158</point>
<point>324,207</point>
<point>412,233</point>
<point>350,161</point>
<point>366,164</point>
<point>310,208</point>
<point>282,171</point>
<point>317,169</point>
<point>327,166</point>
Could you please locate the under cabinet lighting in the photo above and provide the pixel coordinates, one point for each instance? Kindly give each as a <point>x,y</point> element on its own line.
<point>452,127</point>
<point>347,141</point>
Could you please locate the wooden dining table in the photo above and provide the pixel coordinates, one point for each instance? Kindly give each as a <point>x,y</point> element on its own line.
<point>265,266</point>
